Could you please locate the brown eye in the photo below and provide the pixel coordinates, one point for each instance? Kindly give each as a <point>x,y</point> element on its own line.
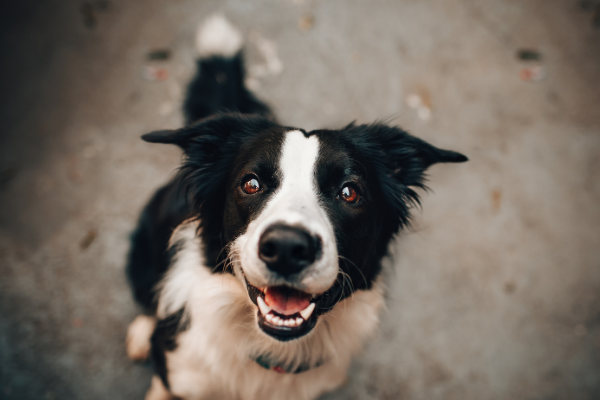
<point>349,194</point>
<point>251,185</point>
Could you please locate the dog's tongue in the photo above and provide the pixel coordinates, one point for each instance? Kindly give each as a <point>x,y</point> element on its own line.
<point>286,301</point>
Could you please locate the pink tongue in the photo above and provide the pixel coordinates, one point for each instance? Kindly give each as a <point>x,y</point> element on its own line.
<point>286,301</point>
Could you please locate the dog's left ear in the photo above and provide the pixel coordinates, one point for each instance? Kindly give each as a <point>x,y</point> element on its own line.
<point>408,157</point>
<point>430,155</point>
<point>400,160</point>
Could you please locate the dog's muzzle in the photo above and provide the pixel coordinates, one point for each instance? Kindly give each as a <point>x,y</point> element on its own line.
<point>285,310</point>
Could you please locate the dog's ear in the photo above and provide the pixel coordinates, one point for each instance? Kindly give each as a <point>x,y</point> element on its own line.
<point>408,157</point>
<point>400,160</point>
<point>405,160</point>
<point>174,136</point>
<point>210,146</point>
<point>216,127</point>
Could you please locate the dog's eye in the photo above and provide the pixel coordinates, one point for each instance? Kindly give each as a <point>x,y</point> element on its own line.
<point>349,194</point>
<point>251,185</point>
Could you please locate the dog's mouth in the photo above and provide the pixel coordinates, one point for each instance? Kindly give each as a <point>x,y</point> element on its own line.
<point>285,313</point>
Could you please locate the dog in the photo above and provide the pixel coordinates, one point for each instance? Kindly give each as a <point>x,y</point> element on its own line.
<point>259,264</point>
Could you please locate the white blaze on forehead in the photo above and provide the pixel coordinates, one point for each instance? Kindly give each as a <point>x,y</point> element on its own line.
<point>297,163</point>
<point>296,201</point>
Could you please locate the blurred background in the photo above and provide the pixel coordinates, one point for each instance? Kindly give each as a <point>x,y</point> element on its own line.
<point>496,289</point>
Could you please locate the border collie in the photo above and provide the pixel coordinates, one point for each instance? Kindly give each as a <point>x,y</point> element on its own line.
<point>259,265</point>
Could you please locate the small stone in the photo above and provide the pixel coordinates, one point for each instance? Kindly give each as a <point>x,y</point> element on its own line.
<point>510,287</point>
<point>306,22</point>
<point>88,239</point>
<point>152,73</point>
<point>166,108</point>
<point>159,55</point>
<point>532,74</point>
<point>496,196</point>
<point>529,55</point>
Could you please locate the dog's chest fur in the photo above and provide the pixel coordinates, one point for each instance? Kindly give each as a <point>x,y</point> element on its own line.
<point>215,354</point>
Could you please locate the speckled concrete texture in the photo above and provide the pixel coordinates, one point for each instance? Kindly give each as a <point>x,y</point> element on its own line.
<point>495,293</point>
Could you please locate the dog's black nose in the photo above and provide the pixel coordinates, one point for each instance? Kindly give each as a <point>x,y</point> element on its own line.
<point>288,249</point>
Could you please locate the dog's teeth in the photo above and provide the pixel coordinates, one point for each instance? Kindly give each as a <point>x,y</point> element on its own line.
<point>292,322</point>
<point>306,313</point>
<point>288,322</point>
<point>269,317</point>
<point>264,308</point>
<point>276,320</point>
<point>299,321</point>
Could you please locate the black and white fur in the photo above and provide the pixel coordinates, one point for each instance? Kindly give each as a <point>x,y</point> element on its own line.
<point>199,262</point>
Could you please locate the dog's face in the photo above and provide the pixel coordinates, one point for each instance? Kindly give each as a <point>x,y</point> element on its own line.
<point>303,218</point>
<point>299,214</point>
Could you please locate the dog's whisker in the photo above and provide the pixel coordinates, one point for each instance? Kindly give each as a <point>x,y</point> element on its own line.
<point>350,262</point>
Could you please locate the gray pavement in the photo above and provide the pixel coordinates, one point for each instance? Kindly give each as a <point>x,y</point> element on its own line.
<point>496,290</point>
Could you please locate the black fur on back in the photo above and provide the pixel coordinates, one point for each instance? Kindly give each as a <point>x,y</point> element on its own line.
<point>218,87</point>
<point>149,256</point>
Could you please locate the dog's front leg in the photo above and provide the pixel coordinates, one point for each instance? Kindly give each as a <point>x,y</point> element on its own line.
<point>158,391</point>
<point>138,337</point>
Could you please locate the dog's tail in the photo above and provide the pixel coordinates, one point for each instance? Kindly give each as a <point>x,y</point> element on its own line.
<point>219,82</point>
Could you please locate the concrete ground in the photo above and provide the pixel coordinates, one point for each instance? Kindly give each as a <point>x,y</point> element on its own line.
<point>496,289</point>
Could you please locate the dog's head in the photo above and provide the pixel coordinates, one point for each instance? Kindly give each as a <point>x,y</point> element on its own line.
<point>303,218</point>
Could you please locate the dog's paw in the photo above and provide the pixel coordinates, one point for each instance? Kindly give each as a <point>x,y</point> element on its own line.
<point>138,337</point>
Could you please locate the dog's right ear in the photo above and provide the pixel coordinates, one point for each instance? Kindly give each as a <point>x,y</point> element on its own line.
<point>182,137</point>
<point>168,136</point>
<point>216,126</point>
